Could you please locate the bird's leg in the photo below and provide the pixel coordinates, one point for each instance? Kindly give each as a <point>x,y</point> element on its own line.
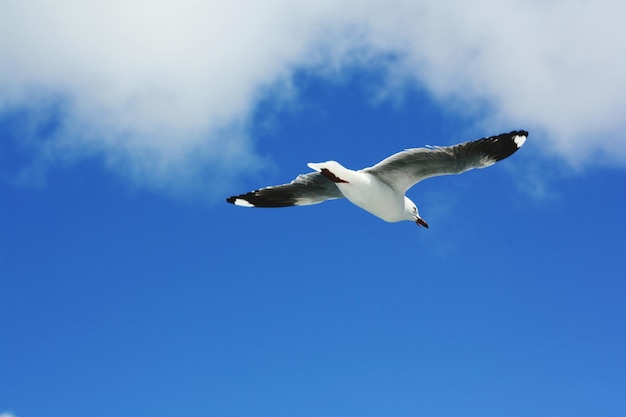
<point>325,172</point>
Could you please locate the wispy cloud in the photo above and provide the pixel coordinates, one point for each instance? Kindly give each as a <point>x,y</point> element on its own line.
<point>7,414</point>
<point>165,90</point>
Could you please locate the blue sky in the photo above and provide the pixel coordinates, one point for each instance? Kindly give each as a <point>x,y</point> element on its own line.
<point>129,287</point>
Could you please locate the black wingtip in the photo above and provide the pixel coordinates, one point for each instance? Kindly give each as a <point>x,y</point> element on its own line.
<point>518,137</point>
<point>241,200</point>
<point>262,198</point>
<point>503,145</point>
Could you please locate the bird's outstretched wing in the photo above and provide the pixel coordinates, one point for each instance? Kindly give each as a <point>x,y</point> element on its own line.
<point>403,170</point>
<point>306,189</point>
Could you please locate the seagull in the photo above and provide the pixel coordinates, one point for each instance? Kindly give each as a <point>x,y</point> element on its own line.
<point>380,189</point>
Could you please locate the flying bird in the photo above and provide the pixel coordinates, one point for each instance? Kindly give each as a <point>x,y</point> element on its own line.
<point>380,189</point>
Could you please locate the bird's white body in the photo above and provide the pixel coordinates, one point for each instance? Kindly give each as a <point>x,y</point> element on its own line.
<point>367,192</point>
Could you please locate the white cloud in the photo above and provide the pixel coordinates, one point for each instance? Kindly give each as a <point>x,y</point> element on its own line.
<point>7,414</point>
<point>552,66</point>
<point>154,86</point>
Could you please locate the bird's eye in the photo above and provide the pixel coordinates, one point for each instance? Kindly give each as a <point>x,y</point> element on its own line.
<point>414,210</point>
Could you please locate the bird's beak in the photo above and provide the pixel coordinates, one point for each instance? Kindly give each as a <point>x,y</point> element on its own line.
<point>421,222</point>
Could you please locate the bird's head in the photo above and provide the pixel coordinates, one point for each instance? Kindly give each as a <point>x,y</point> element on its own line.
<point>412,213</point>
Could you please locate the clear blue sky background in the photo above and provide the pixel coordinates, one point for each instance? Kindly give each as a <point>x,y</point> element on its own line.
<point>128,288</point>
